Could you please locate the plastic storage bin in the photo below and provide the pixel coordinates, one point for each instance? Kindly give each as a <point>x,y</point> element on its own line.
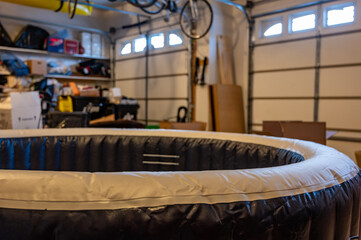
<point>121,110</point>
<point>95,106</point>
<point>68,119</point>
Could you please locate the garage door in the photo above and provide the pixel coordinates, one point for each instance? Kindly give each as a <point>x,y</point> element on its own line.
<point>307,66</point>
<point>158,76</point>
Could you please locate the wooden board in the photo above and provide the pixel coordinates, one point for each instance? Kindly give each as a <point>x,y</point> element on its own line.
<point>227,106</point>
<point>198,126</point>
<point>224,59</point>
<point>203,106</point>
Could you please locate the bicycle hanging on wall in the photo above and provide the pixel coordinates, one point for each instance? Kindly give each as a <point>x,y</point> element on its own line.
<point>196,16</point>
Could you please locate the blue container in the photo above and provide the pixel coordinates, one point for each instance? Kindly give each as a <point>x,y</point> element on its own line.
<point>55,45</point>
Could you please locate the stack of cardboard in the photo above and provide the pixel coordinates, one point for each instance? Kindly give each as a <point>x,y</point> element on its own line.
<point>309,131</point>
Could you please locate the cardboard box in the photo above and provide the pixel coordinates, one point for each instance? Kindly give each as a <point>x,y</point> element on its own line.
<point>89,93</point>
<point>37,66</point>
<point>55,45</point>
<point>71,46</point>
<point>309,131</point>
<point>184,126</point>
<point>21,111</point>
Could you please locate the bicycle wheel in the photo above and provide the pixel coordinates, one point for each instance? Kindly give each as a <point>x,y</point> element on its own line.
<point>196,21</point>
<point>142,3</point>
<point>156,8</point>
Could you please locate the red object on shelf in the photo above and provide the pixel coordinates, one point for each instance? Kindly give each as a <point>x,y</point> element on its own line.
<point>71,46</point>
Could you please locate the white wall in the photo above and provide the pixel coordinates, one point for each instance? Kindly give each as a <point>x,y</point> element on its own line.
<point>230,22</point>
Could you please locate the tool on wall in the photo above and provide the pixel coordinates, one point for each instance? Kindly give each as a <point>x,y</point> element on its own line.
<point>200,63</point>
<point>195,77</point>
<point>205,64</point>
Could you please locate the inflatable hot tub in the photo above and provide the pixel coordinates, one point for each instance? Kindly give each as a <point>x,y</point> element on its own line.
<point>139,184</point>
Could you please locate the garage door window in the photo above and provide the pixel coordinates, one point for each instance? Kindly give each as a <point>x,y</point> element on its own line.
<point>302,22</point>
<point>271,27</point>
<point>140,44</point>
<point>157,41</point>
<point>125,48</point>
<point>340,14</point>
<point>175,38</point>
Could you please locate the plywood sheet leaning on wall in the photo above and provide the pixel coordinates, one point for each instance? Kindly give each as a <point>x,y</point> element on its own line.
<point>224,59</point>
<point>227,108</point>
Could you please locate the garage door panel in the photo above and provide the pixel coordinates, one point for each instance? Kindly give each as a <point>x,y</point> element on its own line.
<point>162,110</point>
<point>172,63</point>
<point>164,64</point>
<point>348,148</point>
<point>349,135</point>
<point>287,55</point>
<point>340,81</point>
<point>284,84</point>
<point>341,49</point>
<point>282,110</point>
<point>132,89</point>
<point>257,128</point>
<point>131,68</point>
<point>341,113</point>
<point>168,87</point>
<point>141,110</point>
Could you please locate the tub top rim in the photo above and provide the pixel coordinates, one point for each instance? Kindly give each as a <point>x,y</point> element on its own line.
<point>323,167</point>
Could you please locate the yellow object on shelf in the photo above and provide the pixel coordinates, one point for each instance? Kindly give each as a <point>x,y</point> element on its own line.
<point>65,104</point>
<point>52,5</point>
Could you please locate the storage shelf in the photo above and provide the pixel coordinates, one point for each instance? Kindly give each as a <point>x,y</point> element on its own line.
<point>55,54</point>
<point>86,78</point>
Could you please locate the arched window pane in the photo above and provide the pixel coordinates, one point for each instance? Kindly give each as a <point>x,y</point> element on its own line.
<point>273,30</point>
<point>126,48</point>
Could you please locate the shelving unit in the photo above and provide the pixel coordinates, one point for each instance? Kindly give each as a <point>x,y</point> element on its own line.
<point>63,78</point>
<point>70,59</point>
<point>55,54</point>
